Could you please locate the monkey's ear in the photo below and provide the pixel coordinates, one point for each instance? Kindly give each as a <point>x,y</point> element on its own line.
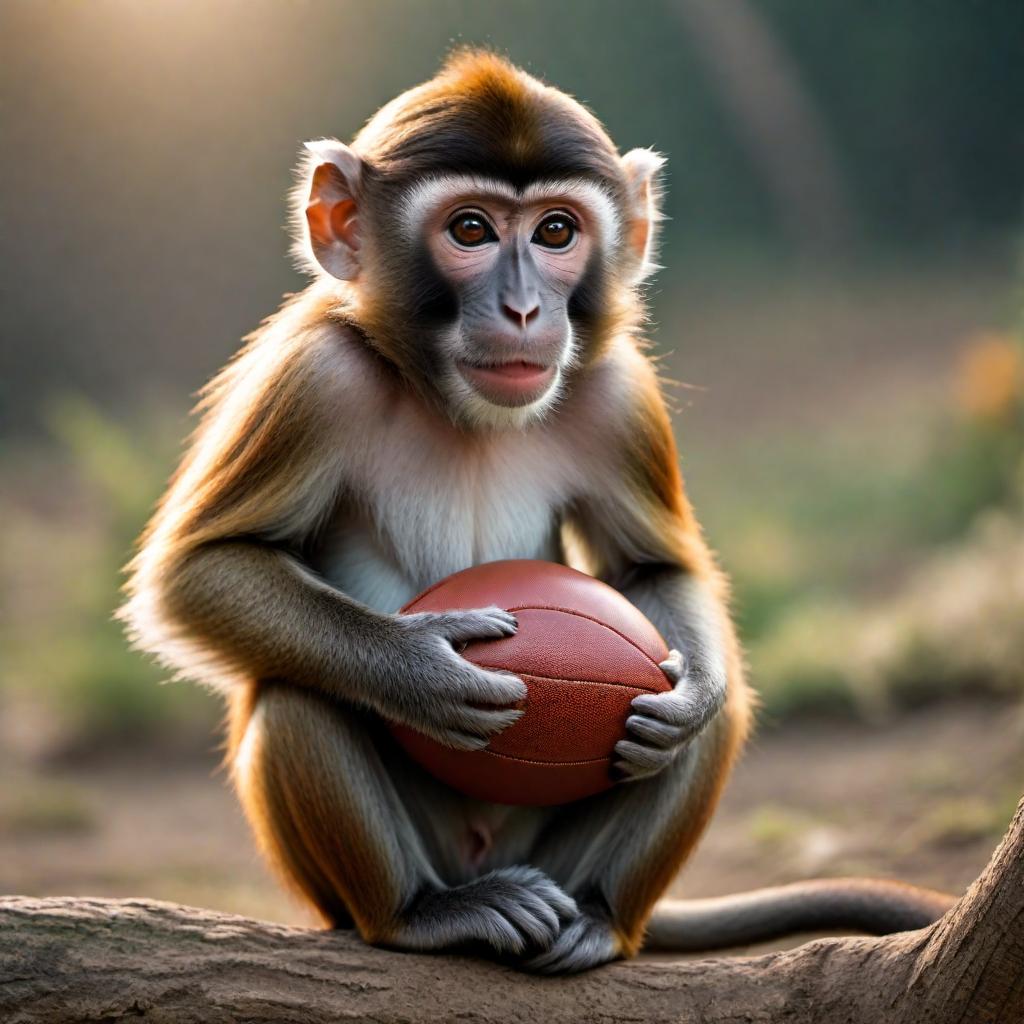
<point>327,209</point>
<point>643,180</point>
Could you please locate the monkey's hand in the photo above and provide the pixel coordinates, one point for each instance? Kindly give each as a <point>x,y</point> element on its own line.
<point>431,688</point>
<point>663,724</point>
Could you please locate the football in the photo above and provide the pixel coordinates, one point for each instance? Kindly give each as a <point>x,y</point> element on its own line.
<point>583,651</point>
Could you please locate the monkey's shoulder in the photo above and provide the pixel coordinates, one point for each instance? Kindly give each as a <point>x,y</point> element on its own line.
<point>619,390</point>
<point>308,360</point>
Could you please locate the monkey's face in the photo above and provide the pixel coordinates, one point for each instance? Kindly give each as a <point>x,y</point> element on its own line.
<point>510,263</point>
<point>490,292</point>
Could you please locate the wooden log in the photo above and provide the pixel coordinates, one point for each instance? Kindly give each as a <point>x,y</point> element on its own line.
<point>64,960</point>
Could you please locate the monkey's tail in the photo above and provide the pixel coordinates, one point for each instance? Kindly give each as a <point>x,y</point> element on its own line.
<point>869,905</point>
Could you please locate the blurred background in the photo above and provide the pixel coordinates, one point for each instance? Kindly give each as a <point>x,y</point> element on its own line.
<point>841,308</point>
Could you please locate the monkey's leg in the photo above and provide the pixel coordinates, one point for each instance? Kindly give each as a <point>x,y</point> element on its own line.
<point>617,852</point>
<point>327,811</point>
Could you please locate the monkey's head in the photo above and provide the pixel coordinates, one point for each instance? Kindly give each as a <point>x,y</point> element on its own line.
<point>489,233</point>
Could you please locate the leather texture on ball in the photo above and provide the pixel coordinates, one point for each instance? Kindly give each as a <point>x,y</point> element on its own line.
<point>584,653</point>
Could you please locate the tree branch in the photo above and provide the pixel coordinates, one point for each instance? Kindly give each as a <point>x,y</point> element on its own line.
<point>65,960</point>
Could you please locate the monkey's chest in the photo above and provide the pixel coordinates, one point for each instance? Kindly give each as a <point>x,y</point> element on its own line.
<point>388,543</point>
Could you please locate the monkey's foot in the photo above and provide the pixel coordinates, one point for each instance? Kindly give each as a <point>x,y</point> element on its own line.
<point>585,942</point>
<point>512,910</point>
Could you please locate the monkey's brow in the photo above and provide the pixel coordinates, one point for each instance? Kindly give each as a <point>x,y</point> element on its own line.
<point>429,192</point>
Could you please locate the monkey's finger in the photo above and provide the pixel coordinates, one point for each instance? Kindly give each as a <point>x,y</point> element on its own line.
<point>532,916</point>
<point>484,687</point>
<point>527,902</point>
<point>484,721</point>
<point>551,960</point>
<point>643,757</point>
<point>627,771</point>
<point>671,708</point>
<point>477,624</point>
<point>499,931</point>
<point>541,910</point>
<point>673,666</point>
<point>549,891</point>
<point>472,728</point>
<point>624,771</point>
<point>584,943</point>
<point>654,732</point>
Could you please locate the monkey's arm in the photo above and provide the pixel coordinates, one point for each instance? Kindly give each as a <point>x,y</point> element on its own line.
<point>640,535</point>
<point>219,590</point>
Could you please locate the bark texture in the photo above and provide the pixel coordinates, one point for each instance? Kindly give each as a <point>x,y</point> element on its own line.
<point>64,960</point>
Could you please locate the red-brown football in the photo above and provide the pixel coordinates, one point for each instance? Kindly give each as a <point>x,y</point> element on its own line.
<point>583,651</point>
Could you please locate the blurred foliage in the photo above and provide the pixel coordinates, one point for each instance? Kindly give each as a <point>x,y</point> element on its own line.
<point>935,542</point>
<point>44,806</point>
<point>774,827</point>
<point>62,576</point>
<point>958,822</point>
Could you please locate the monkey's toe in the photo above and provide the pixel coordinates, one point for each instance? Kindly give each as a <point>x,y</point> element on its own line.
<point>515,911</point>
<point>584,943</point>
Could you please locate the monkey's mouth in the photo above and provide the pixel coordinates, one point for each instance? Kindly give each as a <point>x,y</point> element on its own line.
<point>513,383</point>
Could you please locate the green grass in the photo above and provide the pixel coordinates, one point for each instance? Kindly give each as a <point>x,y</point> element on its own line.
<point>960,822</point>
<point>880,563</point>
<point>62,578</point>
<point>774,828</point>
<point>46,807</point>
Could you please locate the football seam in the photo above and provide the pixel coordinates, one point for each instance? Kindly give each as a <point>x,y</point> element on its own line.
<point>546,764</point>
<point>590,618</point>
<point>406,609</point>
<point>564,679</point>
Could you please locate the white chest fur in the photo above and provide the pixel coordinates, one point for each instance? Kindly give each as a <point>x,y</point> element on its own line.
<point>424,501</point>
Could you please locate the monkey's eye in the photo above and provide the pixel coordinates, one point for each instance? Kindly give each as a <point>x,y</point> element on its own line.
<point>470,230</point>
<point>555,232</point>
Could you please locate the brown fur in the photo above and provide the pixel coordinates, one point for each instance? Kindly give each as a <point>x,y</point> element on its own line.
<point>483,115</point>
<point>223,589</point>
<point>302,819</point>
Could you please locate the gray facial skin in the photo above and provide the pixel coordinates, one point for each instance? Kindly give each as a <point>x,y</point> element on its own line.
<point>512,267</point>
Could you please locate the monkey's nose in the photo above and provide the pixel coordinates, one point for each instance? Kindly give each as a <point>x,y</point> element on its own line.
<point>521,314</point>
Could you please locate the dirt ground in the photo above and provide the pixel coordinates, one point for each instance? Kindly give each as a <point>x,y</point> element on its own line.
<point>923,799</point>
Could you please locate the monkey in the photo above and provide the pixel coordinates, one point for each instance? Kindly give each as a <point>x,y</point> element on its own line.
<point>464,379</point>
